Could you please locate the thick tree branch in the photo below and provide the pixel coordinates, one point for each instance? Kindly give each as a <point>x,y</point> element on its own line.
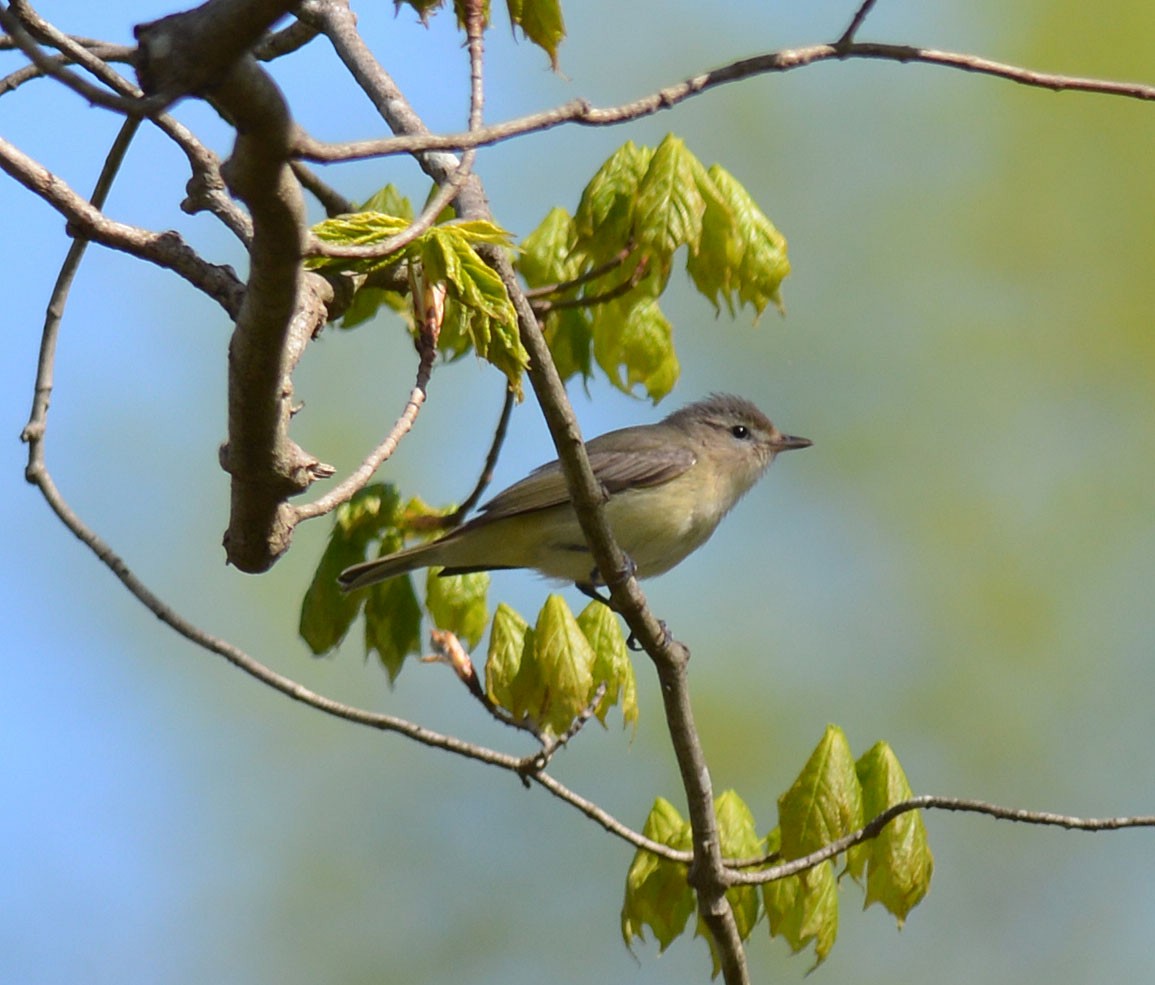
<point>284,308</point>
<point>188,52</point>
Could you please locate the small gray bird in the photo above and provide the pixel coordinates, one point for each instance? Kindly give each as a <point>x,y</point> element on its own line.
<point>669,486</point>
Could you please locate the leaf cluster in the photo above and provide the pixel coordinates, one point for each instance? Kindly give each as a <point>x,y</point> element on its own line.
<point>479,315</point>
<point>540,20</point>
<point>603,269</point>
<point>832,797</point>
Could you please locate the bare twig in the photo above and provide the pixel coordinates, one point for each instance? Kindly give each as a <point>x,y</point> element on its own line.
<point>856,21</point>
<point>163,249</point>
<point>592,274</point>
<point>581,112</point>
<point>486,476</point>
<point>928,802</point>
<point>427,350</point>
<point>545,306</point>
<point>206,190</point>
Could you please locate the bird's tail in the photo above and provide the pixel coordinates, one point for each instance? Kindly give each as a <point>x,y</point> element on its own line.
<point>383,568</point>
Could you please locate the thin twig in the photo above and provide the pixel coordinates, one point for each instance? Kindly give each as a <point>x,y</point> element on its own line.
<point>927,802</point>
<point>860,15</point>
<point>581,112</point>
<point>427,349</point>
<point>52,67</point>
<point>486,476</point>
<point>165,249</point>
<point>545,306</point>
<point>333,202</point>
<point>592,274</point>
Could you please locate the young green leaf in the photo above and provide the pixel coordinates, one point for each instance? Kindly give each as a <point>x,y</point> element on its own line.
<point>604,220</point>
<point>670,203</point>
<point>542,23</point>
<point>509,669</point>
<point>390,201</point>
<point>487,315</point>
<point>564,662</point>
<point>804,908</point>
<point>326,611</point>
<point>546,256</point>
<point>612,664</point>
<point>825,801</point>
<point>633,344</point>
<point>742,256</point>
<point>458,603</point>
<point>900,863</point>
<point>657,894</point>
<point>357,229</point>
<point>392,622</point>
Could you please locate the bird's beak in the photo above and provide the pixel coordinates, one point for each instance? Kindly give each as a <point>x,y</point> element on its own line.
<point>788,442</point>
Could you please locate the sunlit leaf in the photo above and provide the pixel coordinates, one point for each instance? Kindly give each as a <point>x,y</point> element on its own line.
<point>742,256</point>
<point>541,20</point>
<point>612,664</point>
<point>804,908</point>
<point>657,894</point>
<point>510,657</point>
<point>634,346</point>
<point>899,865</point>
<point>458,603</point>
<point>564,662</point>
<point>604,220</point>
<point>825,801</point>
<point>670,201</point>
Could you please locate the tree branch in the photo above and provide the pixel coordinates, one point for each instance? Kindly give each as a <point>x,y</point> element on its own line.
<point>581,112</point>
<point>165,249</point>
<point>927,802</point>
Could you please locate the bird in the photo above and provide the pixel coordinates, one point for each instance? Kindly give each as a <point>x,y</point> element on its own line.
<point>668,484</point>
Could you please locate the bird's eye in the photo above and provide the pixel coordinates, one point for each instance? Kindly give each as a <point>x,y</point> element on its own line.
<point>740,431</point>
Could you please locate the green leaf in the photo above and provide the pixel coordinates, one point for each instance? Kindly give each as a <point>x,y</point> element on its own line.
<point>804,908</point>
<point>825,801</point>
<point>569,334</point>
<point>509,664</point>
<point>392,621</point>
<point>670,203</point>
<point>742,257</point>
<point>357,229</point>
<point>657,894</point>
<point>546,256</point>
<point>900,863</point>
<point>423,7</point>
<point>604,220</point>
<point>564,661</point>
<point>458,603</point>
<point>389,201</point>
<point>612,664</point>
<point>367,301</point>
<point>326,611</point>
<point>542,23</point>
<point>633,344</point>
<point>486,315</point>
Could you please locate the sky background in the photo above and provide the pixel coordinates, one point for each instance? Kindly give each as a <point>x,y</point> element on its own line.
<point>962,565</point>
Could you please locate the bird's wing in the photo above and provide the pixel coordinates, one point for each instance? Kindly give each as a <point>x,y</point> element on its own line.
<point>643,464</point>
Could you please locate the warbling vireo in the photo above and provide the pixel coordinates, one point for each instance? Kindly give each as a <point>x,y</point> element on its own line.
<point>669,486</point>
